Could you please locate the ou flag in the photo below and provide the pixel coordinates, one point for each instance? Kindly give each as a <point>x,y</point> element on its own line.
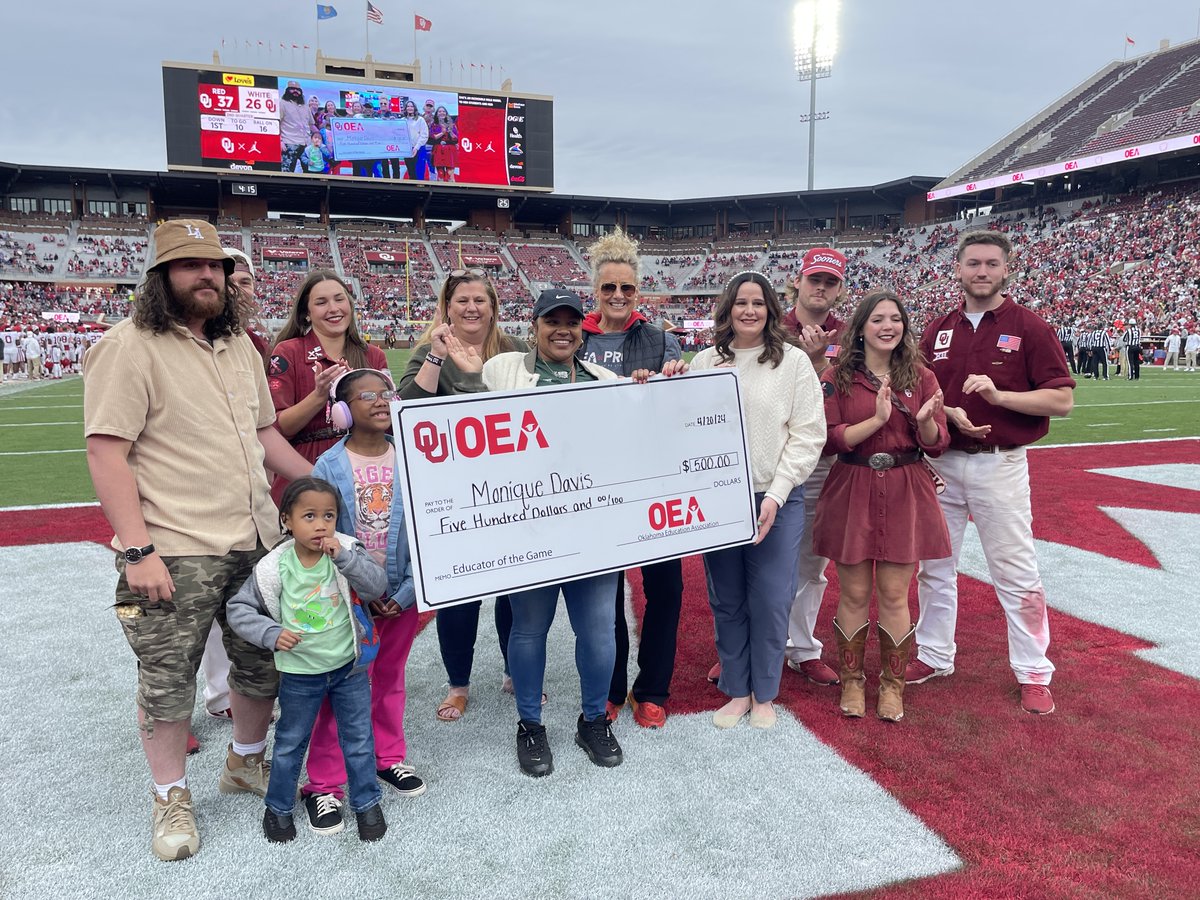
<point>420,23</point>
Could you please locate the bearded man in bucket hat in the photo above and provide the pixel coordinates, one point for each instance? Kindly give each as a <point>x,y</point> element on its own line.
<point>178,421</point>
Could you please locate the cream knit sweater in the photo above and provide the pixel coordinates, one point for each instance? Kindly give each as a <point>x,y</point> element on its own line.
<point>784,415</point>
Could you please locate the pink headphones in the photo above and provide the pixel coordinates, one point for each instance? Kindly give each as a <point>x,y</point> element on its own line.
<point>337,412</point>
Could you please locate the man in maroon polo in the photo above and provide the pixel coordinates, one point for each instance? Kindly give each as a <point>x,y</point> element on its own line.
<point>1003,374</point>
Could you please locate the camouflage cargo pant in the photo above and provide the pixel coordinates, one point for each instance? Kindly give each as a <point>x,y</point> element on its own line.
<point>168,636</point>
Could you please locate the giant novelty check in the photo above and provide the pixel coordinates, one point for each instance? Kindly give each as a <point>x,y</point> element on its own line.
<point>515,490</point>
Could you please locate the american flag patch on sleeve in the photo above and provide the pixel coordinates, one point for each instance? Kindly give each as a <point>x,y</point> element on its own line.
<point>1009,342</point>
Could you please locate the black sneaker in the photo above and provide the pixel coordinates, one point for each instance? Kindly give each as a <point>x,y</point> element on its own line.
<point>371,826</point>
<point>533,749</point>
<point>324,813</point>
<point>401,777</point>
<point>278,829</point>
<point>596,737</point>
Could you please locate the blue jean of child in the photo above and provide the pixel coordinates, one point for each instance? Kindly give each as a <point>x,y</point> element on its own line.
<point>300,698</point>
<point>590,608</point>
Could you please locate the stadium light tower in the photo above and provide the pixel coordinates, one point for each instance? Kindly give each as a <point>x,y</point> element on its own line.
<point>815,35</point>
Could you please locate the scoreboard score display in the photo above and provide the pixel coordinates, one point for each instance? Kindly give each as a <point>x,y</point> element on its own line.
<point>307,127</point>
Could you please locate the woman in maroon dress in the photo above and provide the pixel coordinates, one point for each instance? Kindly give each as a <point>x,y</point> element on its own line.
<point>878,514</point>
<point>319,343</point>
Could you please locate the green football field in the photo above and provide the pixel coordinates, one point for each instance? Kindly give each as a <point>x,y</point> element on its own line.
<point>41,450</point>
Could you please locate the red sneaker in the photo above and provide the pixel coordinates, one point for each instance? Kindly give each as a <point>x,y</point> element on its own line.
<point>714,674</point>
<point>814,670</point>
<point>1036,699</point>
<point>612,710</point>
<point>193,745</point>
<point>647,714</point>
<point>916,672</point>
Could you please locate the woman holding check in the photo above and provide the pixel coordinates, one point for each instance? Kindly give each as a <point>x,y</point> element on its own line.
<point>878,514</point>
<point>557,329</point>
<point>751,587</point>
<point>464,334</point>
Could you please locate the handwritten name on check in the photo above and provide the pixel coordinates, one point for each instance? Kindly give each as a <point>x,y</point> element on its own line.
<point>513,490</point>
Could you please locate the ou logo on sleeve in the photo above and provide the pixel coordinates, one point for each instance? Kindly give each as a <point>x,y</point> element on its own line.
<point>942,341</point>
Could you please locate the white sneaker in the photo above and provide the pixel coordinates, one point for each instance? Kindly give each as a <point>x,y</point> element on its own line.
<point>174,825</point>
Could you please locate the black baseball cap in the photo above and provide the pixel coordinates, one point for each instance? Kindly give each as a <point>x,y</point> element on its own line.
<point>553,299</point>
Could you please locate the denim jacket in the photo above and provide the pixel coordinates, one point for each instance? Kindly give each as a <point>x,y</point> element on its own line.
<point>334,466</point>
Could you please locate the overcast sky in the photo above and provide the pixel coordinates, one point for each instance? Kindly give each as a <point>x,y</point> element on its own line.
<point>664,100</point>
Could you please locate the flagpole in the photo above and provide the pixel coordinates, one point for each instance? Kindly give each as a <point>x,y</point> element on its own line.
<point>367,32</point>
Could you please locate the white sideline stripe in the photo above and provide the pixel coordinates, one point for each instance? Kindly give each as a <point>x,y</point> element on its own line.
<point>40,452</point>
<point>47,506</point>
<point>1145,403</point>
<point>32,424</point>
<point>1103,424</point>
<point>1150,430</point>
<point>54,406</point>
<point>1113,443</point>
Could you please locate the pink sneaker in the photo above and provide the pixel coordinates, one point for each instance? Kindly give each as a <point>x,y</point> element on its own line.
<point>916,672</point>
<point>1036,699</point>
<point>814,670</point>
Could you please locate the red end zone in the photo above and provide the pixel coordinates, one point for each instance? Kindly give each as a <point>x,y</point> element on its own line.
<point>1100,799</point>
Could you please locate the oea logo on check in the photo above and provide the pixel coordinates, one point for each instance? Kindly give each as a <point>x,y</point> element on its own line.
<point>473,437</point>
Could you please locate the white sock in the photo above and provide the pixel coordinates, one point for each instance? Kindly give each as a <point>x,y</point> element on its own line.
<point>245,749</point>
<point>162,789</point>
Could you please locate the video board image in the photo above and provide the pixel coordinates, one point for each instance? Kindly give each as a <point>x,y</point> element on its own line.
<point>241,121</point>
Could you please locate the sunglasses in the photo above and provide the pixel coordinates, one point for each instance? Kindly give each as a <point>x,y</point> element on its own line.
<point>463,273</point>
<point>372,396</point>
<point>609,288</point>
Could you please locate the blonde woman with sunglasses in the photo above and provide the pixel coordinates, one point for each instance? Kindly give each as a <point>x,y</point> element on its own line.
<point>448,359</point>
<point>622,340</point>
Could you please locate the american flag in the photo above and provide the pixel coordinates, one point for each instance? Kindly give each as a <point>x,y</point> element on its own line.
<point>1009,342</point>
<point>374,14</point>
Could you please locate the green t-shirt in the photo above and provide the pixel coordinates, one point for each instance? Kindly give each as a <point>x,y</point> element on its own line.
<point>549,373</point>
<point>311,605</point>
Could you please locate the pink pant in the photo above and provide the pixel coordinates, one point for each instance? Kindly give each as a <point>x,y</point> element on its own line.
<point>326,768</point>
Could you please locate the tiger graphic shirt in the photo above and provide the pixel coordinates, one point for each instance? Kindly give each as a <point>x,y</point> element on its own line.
<point>373,486</point>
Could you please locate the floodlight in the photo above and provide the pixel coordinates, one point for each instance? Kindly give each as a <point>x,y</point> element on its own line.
<point>815,37</point>
<point>814,32</point>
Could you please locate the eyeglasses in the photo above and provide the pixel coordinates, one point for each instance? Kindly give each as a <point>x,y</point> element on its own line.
<point>463,273</point>
<point>372,396</point>
<point>609,288</point>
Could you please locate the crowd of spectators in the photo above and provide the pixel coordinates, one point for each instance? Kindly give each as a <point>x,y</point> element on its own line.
<point>1135,257</point>
<point>31,252</point>
<point>107,256</point>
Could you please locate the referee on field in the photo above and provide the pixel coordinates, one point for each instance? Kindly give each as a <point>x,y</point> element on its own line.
<point>1084,343</point>
<point>1066,337</point>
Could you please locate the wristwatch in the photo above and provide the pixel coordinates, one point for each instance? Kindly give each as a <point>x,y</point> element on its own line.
<point>135,555</point>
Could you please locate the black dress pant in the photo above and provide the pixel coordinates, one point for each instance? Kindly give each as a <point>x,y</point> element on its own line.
<point>662,584</point>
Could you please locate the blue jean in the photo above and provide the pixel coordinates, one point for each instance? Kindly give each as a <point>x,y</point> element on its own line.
<point>457,627</point>
<point>300,698</point>
<point>590,608</point>
<point>750,590</point>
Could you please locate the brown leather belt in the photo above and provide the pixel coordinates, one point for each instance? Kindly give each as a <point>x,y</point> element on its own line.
<point>881,462</point>
<point>988,448</point>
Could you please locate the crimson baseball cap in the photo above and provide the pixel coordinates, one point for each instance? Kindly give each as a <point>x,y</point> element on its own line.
<point>824,259</point>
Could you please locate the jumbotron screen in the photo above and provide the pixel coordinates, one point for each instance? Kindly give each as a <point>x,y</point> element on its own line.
<point>308,127</point>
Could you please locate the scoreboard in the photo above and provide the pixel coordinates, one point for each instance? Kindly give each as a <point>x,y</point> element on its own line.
<point>307,127</point>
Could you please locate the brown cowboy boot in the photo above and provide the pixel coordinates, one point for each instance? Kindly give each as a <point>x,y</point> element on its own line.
<point>894,659</point>
<point>850,670</point>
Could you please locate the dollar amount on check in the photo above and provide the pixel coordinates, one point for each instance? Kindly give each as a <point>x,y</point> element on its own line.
<point>509,491</point>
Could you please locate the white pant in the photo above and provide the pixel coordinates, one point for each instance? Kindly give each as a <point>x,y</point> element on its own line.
<point>993,489</point>
<point>802,644</point>
<point>1172,359</point>
<point>215,667</point>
